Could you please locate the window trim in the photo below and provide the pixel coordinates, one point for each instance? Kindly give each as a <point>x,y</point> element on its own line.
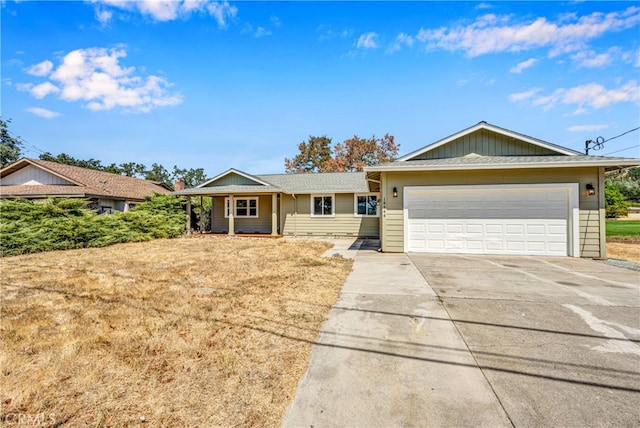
<point>323,195</point>
<point>235,208</point>
<point>355,204</point>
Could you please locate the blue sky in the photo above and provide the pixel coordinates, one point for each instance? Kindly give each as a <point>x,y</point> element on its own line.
<point>214,85</point>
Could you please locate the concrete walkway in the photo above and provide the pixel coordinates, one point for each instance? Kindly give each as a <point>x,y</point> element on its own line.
<point>390,356</point>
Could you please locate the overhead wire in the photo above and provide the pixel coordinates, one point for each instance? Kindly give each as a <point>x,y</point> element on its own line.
<point>599,142</point>
<point>622,150</point>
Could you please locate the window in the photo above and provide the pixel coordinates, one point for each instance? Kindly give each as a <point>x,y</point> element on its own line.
<point>366,206</point>
<point>322,206</point>
<point>244,207</point>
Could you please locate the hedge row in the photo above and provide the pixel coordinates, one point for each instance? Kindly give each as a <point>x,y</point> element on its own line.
<point>62,223</point>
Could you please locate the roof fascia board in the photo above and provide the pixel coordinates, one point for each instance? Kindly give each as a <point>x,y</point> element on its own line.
<point>493,128</point>
<point>26,161</point>
<point>233,171</point>
<point>613,163</point>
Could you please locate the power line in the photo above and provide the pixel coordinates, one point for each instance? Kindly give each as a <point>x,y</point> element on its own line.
<point>624,133</point>
<point>27,145</point>
<point>621,150</point>
<point>599,142</point>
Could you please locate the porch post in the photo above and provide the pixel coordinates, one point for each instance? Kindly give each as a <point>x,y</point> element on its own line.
<point>211,215</point>
<point>232,226</point>
<point>201,226</point>
<point>274,214</point>
<point>188,215</point>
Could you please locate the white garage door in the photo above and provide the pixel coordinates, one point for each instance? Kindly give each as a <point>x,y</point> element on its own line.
<point>488,220</point>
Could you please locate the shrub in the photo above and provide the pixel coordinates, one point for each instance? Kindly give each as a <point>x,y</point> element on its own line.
<point>63,223</point>
<point>615,202</point>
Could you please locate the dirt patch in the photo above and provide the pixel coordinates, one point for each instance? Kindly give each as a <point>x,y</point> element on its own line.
<point>628,250</point>
<point>183,332</point>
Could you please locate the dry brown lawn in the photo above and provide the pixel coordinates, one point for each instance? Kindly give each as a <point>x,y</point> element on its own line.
<point>624,248</point>
<point>184,332</point>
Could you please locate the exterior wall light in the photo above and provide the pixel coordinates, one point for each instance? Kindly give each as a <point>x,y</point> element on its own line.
<point>395,192</point>
<point>590,189</point>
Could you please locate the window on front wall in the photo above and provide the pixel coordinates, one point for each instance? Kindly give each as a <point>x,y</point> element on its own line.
<point>366,205</point>
<point>322,205</point>
<point>244,207</point>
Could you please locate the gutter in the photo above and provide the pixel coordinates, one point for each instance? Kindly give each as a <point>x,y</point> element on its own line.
<point>410,168</point>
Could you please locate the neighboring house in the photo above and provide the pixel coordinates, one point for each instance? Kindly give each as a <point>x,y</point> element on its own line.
<point>39,179</point>
<point>483,190</point>
<point>633,213</point>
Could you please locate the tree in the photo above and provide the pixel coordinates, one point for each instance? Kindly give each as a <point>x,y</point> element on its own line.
<point>312,157</point>
<point>70,160</point>
<point>10,147</point>
<point>627,181</point>
<point>132,169</point>
<point>356,153</point>
<point>191,177</point>
<point>616,205</point>
<point>351,155</point>
<point>158,173</point>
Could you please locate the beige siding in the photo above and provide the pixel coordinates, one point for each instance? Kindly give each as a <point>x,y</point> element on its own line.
<point>33,175</point>
<point>296,219</point>
<point>591,239</point>
<point>262,224</point>
<point>486,143</point>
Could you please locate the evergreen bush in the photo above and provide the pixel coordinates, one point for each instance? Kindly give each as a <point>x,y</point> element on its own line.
<point>63,223</point>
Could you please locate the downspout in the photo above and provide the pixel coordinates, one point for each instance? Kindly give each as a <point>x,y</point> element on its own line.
<point>295,214</point>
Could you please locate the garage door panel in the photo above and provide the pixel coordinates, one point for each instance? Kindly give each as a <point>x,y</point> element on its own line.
<point>491,222</point>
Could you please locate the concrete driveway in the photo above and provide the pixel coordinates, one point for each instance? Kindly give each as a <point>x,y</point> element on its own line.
<point>557,338</point>
<point>447,340</point>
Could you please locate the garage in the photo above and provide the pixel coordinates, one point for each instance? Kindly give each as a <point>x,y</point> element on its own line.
<point>531,219</point>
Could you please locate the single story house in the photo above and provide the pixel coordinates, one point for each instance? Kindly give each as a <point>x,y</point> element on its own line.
<point>39,179</point>
<point>483,190</point>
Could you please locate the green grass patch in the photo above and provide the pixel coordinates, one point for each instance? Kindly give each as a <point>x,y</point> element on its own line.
<point>623,228</point>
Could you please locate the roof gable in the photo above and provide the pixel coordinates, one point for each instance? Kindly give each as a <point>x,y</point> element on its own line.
<point>86,182</point>
<point>234,177</point>
<point>33,175</point>
<point>484,139</point>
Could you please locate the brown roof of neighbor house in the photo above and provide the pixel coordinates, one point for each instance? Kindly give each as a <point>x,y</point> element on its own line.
<point>83,182</point>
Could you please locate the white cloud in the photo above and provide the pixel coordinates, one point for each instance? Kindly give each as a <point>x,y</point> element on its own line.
<point>261,32</point>
<point>41,69</point>
<point>401,40</point>
<point>483,6</point>
<point>520,96</point>
<point>42,90</point>
<point>167,10</point>
<point>96,77</point>
<point>518,68</point>
<point>367,41</point>
<point>590,59</point>
<point>493,34</point>
<point>590,96</point>
<point>103,16</point>
<point>43,112</point>
<point>587,128</point>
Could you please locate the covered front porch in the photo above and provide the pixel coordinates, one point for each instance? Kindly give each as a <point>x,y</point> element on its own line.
<point>245,214</point>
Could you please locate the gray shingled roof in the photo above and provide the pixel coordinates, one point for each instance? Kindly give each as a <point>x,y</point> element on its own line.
<point>338,182</point>
<point>333,182</point>
<point>494,162</point>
